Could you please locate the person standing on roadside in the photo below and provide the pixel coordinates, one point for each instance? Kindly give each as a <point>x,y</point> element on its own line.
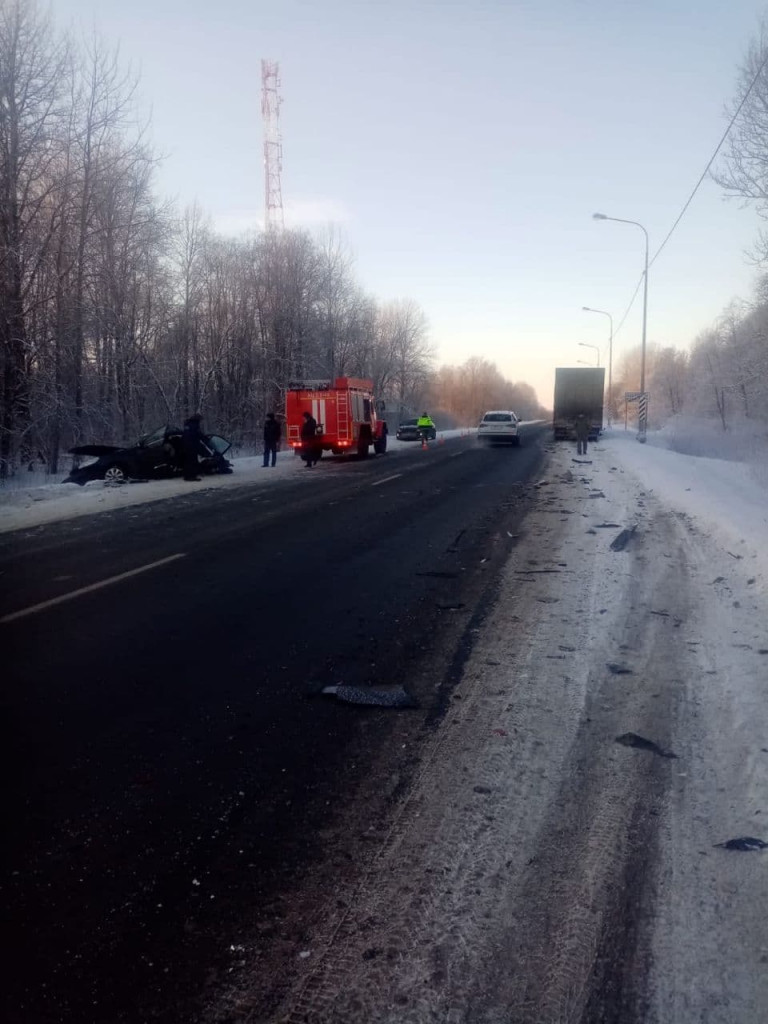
<point>582,433</point>
<point>191,439</point>
<point>271,439</point>
<point>309,440</point>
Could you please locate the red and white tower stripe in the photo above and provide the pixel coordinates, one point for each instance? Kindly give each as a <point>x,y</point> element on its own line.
<point>273,148</point>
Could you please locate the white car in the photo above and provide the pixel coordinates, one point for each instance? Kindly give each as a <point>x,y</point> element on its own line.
<point>499,426</point>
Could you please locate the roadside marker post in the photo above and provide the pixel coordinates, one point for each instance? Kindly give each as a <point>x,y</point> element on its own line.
<point>641,397</point>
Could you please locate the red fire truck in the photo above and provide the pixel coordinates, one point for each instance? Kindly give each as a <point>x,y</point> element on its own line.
<point>349,417</point>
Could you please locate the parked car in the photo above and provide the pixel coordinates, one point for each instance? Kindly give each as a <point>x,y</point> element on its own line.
<point>409,431</point>
<point>154,456</point>
<point>499,426</point>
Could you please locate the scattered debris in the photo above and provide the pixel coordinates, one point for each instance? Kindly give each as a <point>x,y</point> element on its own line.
<point>482,789</point>
<point>596,494</point>
<point>450,607</point>
<point>718,579</point>
<point>743,843</point>
<point>370,954</point>
<point>459,535</point>
<point>620,542</point>
<point>592,531</point>
<point>619,670</point>
<point>565,647</point>
<point>631,739</point>
<point>304,954</point>
<point>607,526</point>
<point>665,614</point>
<point>373,696</point>
<point>500,732</point>
<point>583,462</point>
<point>734,556</point>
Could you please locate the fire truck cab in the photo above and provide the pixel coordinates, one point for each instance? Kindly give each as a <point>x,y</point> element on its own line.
<point>348,416</point>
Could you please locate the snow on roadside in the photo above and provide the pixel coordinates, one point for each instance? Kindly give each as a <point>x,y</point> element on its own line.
<point>547,862</point>
<point>725,498</point>
<point>27,506</point>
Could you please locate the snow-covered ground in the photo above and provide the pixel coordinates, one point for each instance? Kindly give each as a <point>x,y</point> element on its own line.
<point>544,865</point>
<point>555,869</point>
<point>728,498</point>
<point>33,499</point>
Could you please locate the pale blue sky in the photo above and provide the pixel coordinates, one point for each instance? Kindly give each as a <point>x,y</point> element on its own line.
<point>463,147</point>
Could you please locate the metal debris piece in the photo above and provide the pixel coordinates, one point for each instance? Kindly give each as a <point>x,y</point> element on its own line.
<point>743,843</point>
<point>631,739</point>
<point>619,670</point>
<point>373,696</point>
<point>621,540</point>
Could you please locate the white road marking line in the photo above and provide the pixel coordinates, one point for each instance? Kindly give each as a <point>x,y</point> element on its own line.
<point>87,590</point>
<point>457,454</point>
<point>386,479</point>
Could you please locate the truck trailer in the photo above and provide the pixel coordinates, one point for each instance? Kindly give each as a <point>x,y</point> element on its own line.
<point>348,415</point>
<point>578,390</point>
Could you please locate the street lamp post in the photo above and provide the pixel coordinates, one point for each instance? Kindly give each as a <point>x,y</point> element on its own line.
<point>637,224</point>
<point>584,344</point>
<point>589,309</point>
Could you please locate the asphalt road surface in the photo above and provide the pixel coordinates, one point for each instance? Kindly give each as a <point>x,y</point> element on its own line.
<point>170,776</point>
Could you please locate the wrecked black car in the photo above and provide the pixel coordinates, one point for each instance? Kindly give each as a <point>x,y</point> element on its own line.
<point>153,457</point>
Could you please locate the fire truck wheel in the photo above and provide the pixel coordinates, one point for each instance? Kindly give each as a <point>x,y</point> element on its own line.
<point>380,446</point>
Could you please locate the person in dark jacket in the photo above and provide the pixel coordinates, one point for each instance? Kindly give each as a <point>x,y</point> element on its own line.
<point>582,433</point>
<point>309,450</point>
<point>271,438</point>
<point>191,439</point>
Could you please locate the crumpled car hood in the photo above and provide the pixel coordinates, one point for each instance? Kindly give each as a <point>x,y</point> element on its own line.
<point>96,449</point>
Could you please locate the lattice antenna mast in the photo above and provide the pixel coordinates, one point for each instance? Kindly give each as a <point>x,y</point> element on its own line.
<point>273,149</point>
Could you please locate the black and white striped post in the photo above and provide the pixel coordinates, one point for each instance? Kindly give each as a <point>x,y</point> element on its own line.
<point>641,397</point>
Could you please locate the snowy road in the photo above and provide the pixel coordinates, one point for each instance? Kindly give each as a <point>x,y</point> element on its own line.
<point>537,870</point>
<point>496,856</point>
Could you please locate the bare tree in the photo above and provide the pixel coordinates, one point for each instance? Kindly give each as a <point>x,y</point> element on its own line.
<point>744,171</point>
<point>33,73</point>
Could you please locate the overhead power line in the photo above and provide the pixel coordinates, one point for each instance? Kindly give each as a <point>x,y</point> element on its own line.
<point>719,146</point>
<point>696,188</point>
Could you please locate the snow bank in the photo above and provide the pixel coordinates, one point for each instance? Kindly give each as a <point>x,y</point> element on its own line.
<point>728,499</point>
<point>34,499</point>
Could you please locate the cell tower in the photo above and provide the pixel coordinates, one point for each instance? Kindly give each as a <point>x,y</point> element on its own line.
<point>273,149</point>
